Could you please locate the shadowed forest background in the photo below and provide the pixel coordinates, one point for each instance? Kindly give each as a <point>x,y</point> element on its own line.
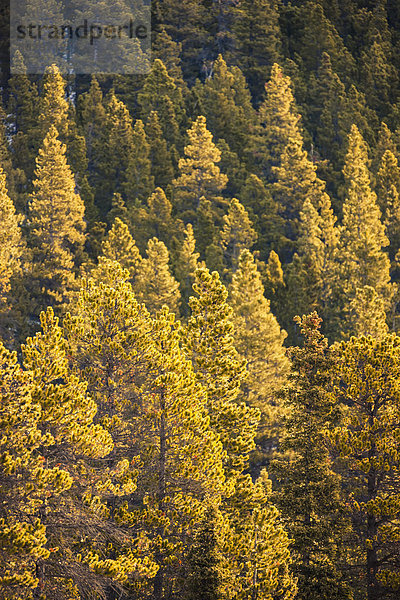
<point>199,311</point>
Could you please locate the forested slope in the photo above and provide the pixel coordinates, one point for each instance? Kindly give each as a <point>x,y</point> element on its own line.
<point>199,312</point>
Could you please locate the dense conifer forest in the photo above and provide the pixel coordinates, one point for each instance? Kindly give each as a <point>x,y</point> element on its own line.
<point>200,311</point>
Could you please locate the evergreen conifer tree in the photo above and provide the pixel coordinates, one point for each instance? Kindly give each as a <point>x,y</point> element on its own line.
<point>256,41</point>
<point>362,234</point>
<point>236,235</point>
<point>309,498</point>
<point>55,228</point>
<point>162,168</point>
<point>186,266</point>
<point>259,339</point>
<point>154,285</point>
<point>200,175</point>
<point>366,382</point>
<point>219,368</point>
<point>278,123</point>
<point>139,182</point>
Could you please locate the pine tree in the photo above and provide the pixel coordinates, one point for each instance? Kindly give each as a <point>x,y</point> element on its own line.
<point>296,180</point>
<point>388,192</point>
<point>233,167</point>
<point>385,141</point>
<point>6,156</point>
<point>155,220</point>
<point>168,52</point>
<point>200,174</point>
<point>162,168</point>
<point>329,103</point>
<point>154,285</point>
<point>256,41</point>
<point>57,111</point>
<point>160,93</point>
<point>112,155</point>
<point>313,34</point>
<point>274,284</point>
<point>189,25</point>
<point>279,123</point>
<point>308,492</point>
<point>362,235</point>
<point>186,266</point>
<point>219,368</point>
<point>74,442</point>
<point>139,182</point>
<point>258,550</point>
<point>23,114</point>
<point>367,313</point>
<point>208,576</point>
<point>366,382</point>
<point>259,339</point>
<point>23,538</point>
<point>311,276</point>
<point>378,76</point>
<point>12,250</point>
<point>120,246</point>
<point>263,213</point>
<point>236,235</point>
<point>55,228</point>
<point>154,409</point>
<point>10,241</point>
<point>229,114</point>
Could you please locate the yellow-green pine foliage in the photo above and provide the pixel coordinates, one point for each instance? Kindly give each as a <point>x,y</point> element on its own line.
<point>388,196</point>
<point>10,240</point>
<point>5,154</point>
<point>186,266</point>
<point>155,220</point>
<point>236,235</point>
<point>162,94</point>
<point>367,313</point>
<point>227,108</point>
<point>162,168</point>
<point>55,228</point>
<point>209,572</point>
<point>155,285</point>
<point>182,455</point>
<point>385,141</point>
<point>139,182</point>
<point>23,477</point>
<point>56,110</point>
<point>91,114</point>
<point>259,339</point>
<point>328,95</point>
<point>274,284</point>
<point>219,368</point>
<point>279,122</point>
<point>67,414</point>
<point>155,410</point>
<point>308,491</point>
<point>199,173</point>
<point>367,384</point>
<point>53,105</point>
<point>263,213</point>
<point>50,438</point>
<point>362,234</point>
<point>295,181</point>
<point>311,275</point>
<point>112,155</point>
<point>258,548</point>
<point>23,111</point>
<point>120,246</point>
